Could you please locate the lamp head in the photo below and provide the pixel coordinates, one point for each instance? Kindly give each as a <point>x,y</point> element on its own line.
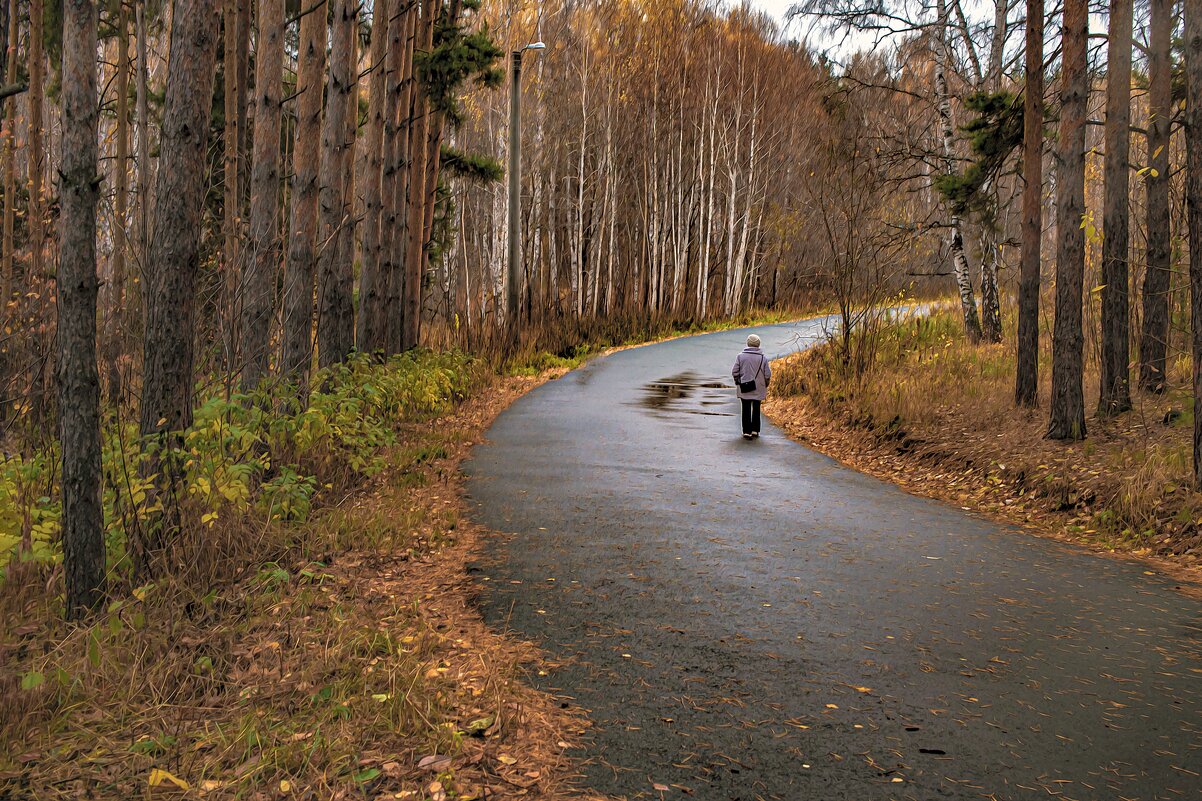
<point>535,46</point>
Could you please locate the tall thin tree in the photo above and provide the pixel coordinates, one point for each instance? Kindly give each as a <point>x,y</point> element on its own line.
<point>369,328</point>
<point>1115,395</point>
<point>1068,342</point>
<point>36,155</point>
<point>231,171</point>
<point>8,168</point>
<point>78,376</point>
<point>1193,168</point>
<point>262,268</point>
<point>968,303</point>
<point>415,261</point>
<point>300,268</point>
<point>174,259</point>
<point>335,320</point>
<point>1026,383</point>
<point>113,314</point>
<point>1154,338</point>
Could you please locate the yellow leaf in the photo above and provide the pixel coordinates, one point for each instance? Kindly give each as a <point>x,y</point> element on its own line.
<point>285,786</point>
<point>507,759</point>
<point>161,778</point>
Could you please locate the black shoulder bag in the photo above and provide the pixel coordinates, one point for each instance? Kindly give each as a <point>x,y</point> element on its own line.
<point>749,386</point>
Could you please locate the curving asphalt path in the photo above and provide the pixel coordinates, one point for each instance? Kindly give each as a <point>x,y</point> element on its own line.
<point>750,620</point>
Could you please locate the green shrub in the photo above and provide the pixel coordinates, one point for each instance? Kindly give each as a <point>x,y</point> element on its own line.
<point>246,453</point>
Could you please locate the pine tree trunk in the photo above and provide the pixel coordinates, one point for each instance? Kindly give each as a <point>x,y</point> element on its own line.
<point>299,271</point>
<point>113,314</point>
<point>78,378</point>
<point>258,302</point>
<point>174,258</point>
<point>1068,402</point>
<point>369,331</point>
<point>395,187</point>
<point>232,143</point>
<point>242,58</point>
<point>968,302</point>
<point>1026,382</point>
<point>1154,339</point>
<point>5,15</point>
<point>418,175</point>
<point>347,239</point>
<point>335,315</point>
<point>1115,395</point>
<point>1193,144</point>
<point>36,157</point>
<point>143,146</point>
<point>8,167</point>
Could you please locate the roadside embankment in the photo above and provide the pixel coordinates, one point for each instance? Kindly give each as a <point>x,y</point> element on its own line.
<point>934,414</point>
<point>318,636</point>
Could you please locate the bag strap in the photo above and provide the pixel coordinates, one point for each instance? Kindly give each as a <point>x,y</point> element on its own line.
<point>758,370</point>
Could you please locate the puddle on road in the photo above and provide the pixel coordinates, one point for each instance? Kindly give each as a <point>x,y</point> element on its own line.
<point>687,393</point>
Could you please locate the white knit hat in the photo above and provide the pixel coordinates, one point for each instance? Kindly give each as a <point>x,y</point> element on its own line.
<point>753,341</point>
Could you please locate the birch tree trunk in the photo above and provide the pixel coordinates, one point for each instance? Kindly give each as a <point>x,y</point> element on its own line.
<point>1154,339</point>
<point>1068,403</point>
<point>578,244</point>
<point>1026,382</point>
<point>258,304</point>
<point>991,255</point>
<point>335,314</point>
<point>968,303</point>
<point>299,270</point>
<point>78,378</point>
<point>1115,394</point>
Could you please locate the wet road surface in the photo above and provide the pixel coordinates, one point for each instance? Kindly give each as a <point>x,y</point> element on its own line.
<point>750,620</point>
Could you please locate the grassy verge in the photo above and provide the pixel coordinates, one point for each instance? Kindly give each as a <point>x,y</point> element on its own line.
<point>317,637</point>
<point>935,414</point>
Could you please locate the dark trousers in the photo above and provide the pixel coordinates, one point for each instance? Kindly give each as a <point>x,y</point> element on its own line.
<point>751,415</point>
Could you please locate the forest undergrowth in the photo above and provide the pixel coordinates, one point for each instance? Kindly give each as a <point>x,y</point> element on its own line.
<point>316,636</point>
<point>935,414</point>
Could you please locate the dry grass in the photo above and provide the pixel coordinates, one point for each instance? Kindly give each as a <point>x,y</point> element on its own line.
<point>350,664</point>
<point>936,415</point>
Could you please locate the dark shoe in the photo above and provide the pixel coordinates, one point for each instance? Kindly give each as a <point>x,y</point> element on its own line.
<point>755,435</point>
<point>747,436</point>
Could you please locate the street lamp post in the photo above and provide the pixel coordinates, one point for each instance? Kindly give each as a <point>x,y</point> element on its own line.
<point>513,273</point>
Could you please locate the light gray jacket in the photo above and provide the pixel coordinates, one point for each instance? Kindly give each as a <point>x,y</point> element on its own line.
<point>752,365</point>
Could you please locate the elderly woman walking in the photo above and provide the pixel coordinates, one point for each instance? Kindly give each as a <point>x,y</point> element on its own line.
<point>752,374</point>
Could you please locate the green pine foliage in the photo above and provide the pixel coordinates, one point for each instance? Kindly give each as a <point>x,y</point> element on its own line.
<point>471,166</point>
<point>459,56</point>
<point>993,135</point>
